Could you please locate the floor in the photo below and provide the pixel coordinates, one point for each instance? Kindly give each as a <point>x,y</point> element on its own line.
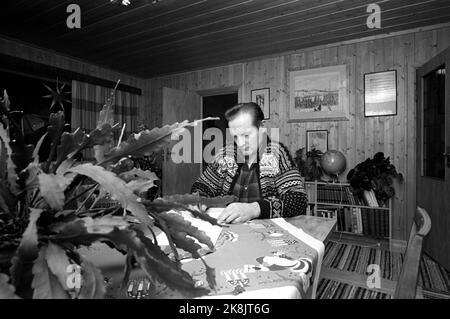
<point>345,273</point>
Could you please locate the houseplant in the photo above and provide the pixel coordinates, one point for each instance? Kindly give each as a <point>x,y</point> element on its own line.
<point>48,210</point>
<point>377,174</point>
<point>309,164</point>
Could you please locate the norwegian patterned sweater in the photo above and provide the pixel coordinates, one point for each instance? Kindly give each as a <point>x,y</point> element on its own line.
<point>281,186</point>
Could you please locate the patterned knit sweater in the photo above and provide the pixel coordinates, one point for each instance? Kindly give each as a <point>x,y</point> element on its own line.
<point>281,186</point>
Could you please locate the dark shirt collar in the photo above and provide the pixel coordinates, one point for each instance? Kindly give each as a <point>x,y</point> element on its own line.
<point>241,161</point>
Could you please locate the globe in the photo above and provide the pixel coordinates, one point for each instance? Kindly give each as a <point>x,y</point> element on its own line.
<point>333,162</point>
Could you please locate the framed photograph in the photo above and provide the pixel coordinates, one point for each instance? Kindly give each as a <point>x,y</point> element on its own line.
<point>317,139</point>
<point>380,93</point>
<point>262,98</point>
<point>318,94</point>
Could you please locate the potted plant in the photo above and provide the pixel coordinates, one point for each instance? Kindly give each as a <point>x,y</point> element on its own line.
<point>377,174</point>
<point>309,164</point>
<point>48,210</point>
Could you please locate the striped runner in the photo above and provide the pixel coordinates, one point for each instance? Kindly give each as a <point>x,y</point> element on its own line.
<point>355,258</point>
<point>330,289</point>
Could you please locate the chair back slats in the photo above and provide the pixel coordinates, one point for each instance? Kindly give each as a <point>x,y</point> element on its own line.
<point>407,284</point>
<point>422,221</point>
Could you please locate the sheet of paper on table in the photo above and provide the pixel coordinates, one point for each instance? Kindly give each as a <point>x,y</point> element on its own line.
<point>212,231</point>
<point>214,211</point>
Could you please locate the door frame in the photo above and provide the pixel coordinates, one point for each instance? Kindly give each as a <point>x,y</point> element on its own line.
<point>434,63</point>
<point>236,89</point>
<point>425,182</point>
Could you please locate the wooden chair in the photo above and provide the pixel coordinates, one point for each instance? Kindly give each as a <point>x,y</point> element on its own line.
<point>406,287</point>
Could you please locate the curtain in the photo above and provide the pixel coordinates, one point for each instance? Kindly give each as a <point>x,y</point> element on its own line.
<point>88,100</point>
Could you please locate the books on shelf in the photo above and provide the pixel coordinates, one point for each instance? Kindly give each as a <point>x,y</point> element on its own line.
<point>363,221</point>
<point>339,194</point>
<point>370,199</point>
<point>336,194</point>
<point>361,215</point>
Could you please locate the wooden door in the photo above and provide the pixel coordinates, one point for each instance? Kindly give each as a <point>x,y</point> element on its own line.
<point>433,156</point>
<point>179,106</point>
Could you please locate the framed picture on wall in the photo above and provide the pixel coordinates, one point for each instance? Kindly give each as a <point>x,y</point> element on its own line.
<point>318,94</point>
<point>262,98</point>
<point>317,139</point>
<point>380,93</point>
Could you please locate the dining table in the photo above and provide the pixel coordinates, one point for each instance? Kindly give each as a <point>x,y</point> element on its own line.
<point>260,259</point>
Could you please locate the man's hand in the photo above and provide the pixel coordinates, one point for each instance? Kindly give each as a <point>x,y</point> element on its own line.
<point>239,213</point>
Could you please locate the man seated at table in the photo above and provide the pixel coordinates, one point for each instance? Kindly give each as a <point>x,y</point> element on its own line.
<point>258,171</point>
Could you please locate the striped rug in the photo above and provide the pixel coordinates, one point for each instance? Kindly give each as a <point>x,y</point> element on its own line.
<point>330,289</point>
<point>433,278</point>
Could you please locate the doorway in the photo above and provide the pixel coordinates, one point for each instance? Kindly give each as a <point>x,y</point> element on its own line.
<point>433,156</point>
<point>216,106</point>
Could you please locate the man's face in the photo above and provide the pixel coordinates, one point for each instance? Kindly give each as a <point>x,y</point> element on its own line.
<point>245,134</point>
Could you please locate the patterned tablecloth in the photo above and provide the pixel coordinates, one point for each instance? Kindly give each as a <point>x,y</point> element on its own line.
<point>259,259</point>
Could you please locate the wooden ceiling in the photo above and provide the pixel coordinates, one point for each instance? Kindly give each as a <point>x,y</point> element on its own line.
<point>150,38</point>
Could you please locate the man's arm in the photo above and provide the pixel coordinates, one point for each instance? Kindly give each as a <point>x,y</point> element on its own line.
<point>208,184</point>
<point>291,202</point>
<point>291,199</point>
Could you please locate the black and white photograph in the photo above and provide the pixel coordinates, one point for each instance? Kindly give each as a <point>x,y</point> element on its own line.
<point>235,150</point>
<point>318,94</point>
<point>380,93</point>
<point>317,140</point>
<point>262,98</point>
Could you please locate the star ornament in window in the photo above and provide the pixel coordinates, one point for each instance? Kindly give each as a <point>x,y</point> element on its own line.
<point>57,96</point>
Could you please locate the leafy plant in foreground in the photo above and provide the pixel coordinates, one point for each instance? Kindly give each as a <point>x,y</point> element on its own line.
<point>49,209</point>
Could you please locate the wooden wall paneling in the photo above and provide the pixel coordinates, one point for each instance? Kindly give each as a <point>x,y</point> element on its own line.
<point>401,48</point>
<point>361,58</point>
<point>333,138</point>
<point>422,47</point>
<point>294,61</point>
<point>350,60</point>
<point>396,220</point>
<point>411,130</point>
<point>368,66</point>
<point>290,61</point>
<point>312,61</point>
<point>339,56</point>
<point>400,150</point>
<point>380,65</point>
<point>359,137</point>
<point>388,130</point>
<point>280,113</point>
<point>443,40</point>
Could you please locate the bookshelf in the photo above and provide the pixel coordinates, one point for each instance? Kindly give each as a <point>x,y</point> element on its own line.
<point>358,215</point>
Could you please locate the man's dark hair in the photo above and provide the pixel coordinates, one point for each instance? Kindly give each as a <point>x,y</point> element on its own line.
<point>251,108</point>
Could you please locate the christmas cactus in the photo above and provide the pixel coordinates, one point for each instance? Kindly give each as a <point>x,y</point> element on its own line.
<point>49,208</point>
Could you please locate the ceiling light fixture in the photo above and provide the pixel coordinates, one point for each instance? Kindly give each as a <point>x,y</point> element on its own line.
<point>122,2</point>
<point>128,2</point>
